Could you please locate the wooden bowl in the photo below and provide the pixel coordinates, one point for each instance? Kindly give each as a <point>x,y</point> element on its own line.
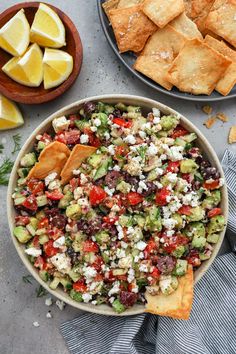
<point>36,95</point>
<point>45,126</point>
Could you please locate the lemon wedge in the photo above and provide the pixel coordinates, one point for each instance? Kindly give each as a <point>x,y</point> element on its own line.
<point>57,67</point>
<point>10,115</point>
<point>15,34</point>
<point>47,29</point>
<point>28,69</point>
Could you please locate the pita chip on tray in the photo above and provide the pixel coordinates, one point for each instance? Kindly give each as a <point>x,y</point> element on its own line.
<point>197,68</point>
<point>52,159</point>
<point>162,12</point>
<point>186,27</point>
<point>222,20</point>
<point>158,55</point>
<point>176,305</point>
<point>131,28</point>
<point>228,80</point>
<point>77,156</point>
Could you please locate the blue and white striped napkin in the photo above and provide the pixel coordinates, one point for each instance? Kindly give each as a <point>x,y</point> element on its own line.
<point>211,328</point>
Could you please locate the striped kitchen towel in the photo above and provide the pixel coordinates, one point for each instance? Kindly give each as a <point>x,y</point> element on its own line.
<point>211,328</point>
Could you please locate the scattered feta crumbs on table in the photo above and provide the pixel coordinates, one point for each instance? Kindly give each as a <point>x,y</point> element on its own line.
<point>207,109</point>
<point>48,301</point>
<point>49,315</point>
<point>35,324</point>
<point>210,122</point>
<point>232,135</point>
<point>60,304</point>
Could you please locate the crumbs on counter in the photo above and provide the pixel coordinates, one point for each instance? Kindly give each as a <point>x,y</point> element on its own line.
<point>221,116</point>
<point>207,109</point>
<point>232,135</point>
<point>210,122</point>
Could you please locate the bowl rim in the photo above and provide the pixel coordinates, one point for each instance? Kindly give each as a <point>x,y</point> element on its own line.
<point>138,100</point>
<point>78,59</point>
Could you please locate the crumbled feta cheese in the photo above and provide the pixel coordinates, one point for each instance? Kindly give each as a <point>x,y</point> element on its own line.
<point>94,302</point>
<point>131,275</point>
<point>130,139</point>
<point>172,177</point>
<point>142,186</point>
<point>84,139</point>
<point>94,129</point>
<point>152,150</point>
<point>120,253</point>
<point>169,223</point>
<point>124,244</point>
<point>120,231</point>
<point>49,315</point>
<point>111,149</point>
<point>133,167</point>
<point>56,184</point>
<point>146,126</point>
<point>84,204</point>
<point>97,122</point>
<point>221,180</point>
<point>109,191</point>
<point>48,301</point>
<point>78,192</point>
<point>50,178</point>
<point>115,289</point>
<point>135,289</point>
<point>83,179</point>
<point>116,168</point>
<point>143,268</point>
<point>115,208</point>
<point>86,297</point>
<point>170,233</point>
<point>140,245</point>
<point>112,299</point>
<point>107,136</point>
<point>33,252</point>
<point>60,304</point>
<point>89,273</point>
<point>76,172</point>
<point>175,153</point>
<point>165,282</point>
<point>142,134</point>
<point>35,324</point>
<point>62,262</point>
<point>175,206</point>
<point>156,112</point>
<point>163,157</point>
<point>59,242</point>
<point>60,124</point>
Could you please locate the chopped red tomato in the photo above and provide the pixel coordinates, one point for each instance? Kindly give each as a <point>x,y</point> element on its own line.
<point>171,243</point>
<point>98,277</point>
<point>36,241</point>
<point>120,152</point>
<point>35,186</point>
<point>193,258</point>
<point>54,195</point>
<point>93,139</point>
<point>46,138</point>
<point>109,277</point>
<point>72,118</point>
<point>122,277</point>
<point>80,286</point>
<point>43,223</point>
<point>30,203</point>
<point>54,233</point>
<point>97,195</point>
<point>173,166</point>
<point>161,196</point>
<point>122,122</point>
<point>150,248</point>
<point>98,263</point>
<point>49,249</point>
<point>185,210</point>
<point>178,131</point>
<point>74,183</point>
<point>40,263</point>
<point>134,198</point>
<point>155,273</point>
<point>61,138</point>
<point>110,220</point>
<point>214,212</point>
<point>212,185</point>
<point>22,220</point>
<point>188,177</point>
<point>90,246</point>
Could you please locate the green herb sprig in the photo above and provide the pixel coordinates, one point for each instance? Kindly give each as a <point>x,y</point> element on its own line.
<point>27,279</point>
<point>1,148</point>
<point>40,291</point>
<point>17,143</point>
<point>5,169</point>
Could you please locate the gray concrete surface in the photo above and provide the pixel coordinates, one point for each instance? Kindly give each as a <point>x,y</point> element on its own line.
<point>101,73</point>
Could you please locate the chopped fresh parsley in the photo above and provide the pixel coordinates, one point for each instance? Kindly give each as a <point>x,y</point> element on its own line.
<point>27,279</point>
<point>40,291</point>
<point>1,148</point>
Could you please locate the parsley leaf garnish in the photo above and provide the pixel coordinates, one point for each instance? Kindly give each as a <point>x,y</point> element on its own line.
<point>41,291</point>
<point>26,279</point>
<point>17,141</point>
<point>5,169</point>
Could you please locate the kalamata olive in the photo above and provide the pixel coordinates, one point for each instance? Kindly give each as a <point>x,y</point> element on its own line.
<point>89,108</point>
<point>90,227</point>
<point>72,254</point>
<point>127,298</point>
<point>166,264</point>
<point>50,213</point>
<point>151,189</point>
<point>210,172</point>
<point>117,113</point>
<point>134,181</point>
<point>59,221</point>
<point>199,159</point>
<point>112,178</point>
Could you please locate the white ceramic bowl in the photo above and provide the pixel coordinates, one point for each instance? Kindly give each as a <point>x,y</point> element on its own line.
<point>146,104</point>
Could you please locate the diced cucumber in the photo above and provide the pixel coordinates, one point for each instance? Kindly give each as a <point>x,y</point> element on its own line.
<point>189,137</point>
<point>75,295</point>
<point>66,283</point>
<point>118,306</point>
<point>105,258</point>
<point>31,230</point>
<point>34,222</point>
<point>22,234</point>
<point>125,220</point>
<point>54,283</point>
<point>198,241</point>
<point>65,201</point>
<point>102,237</point>
<point>43,239</point>
<point>95,159</point>
<point>44,275</point>
<point>21,181</point>
<point>204,256</point>
<point>119,271</point>
<point>41,232</point>
<point>74,275</point>
<point>28,160</point>
<point>102,169</point>
<point>180,142</point>
<point>90,257</point>
<point>23,172</point>
<point>41,145</point>
<point>180,267</point>
<point>213,238</point>
<point>19,201</point>
<point>42,200</point>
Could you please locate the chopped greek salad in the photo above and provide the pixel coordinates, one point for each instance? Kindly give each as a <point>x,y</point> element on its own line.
<point>133,215</point>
